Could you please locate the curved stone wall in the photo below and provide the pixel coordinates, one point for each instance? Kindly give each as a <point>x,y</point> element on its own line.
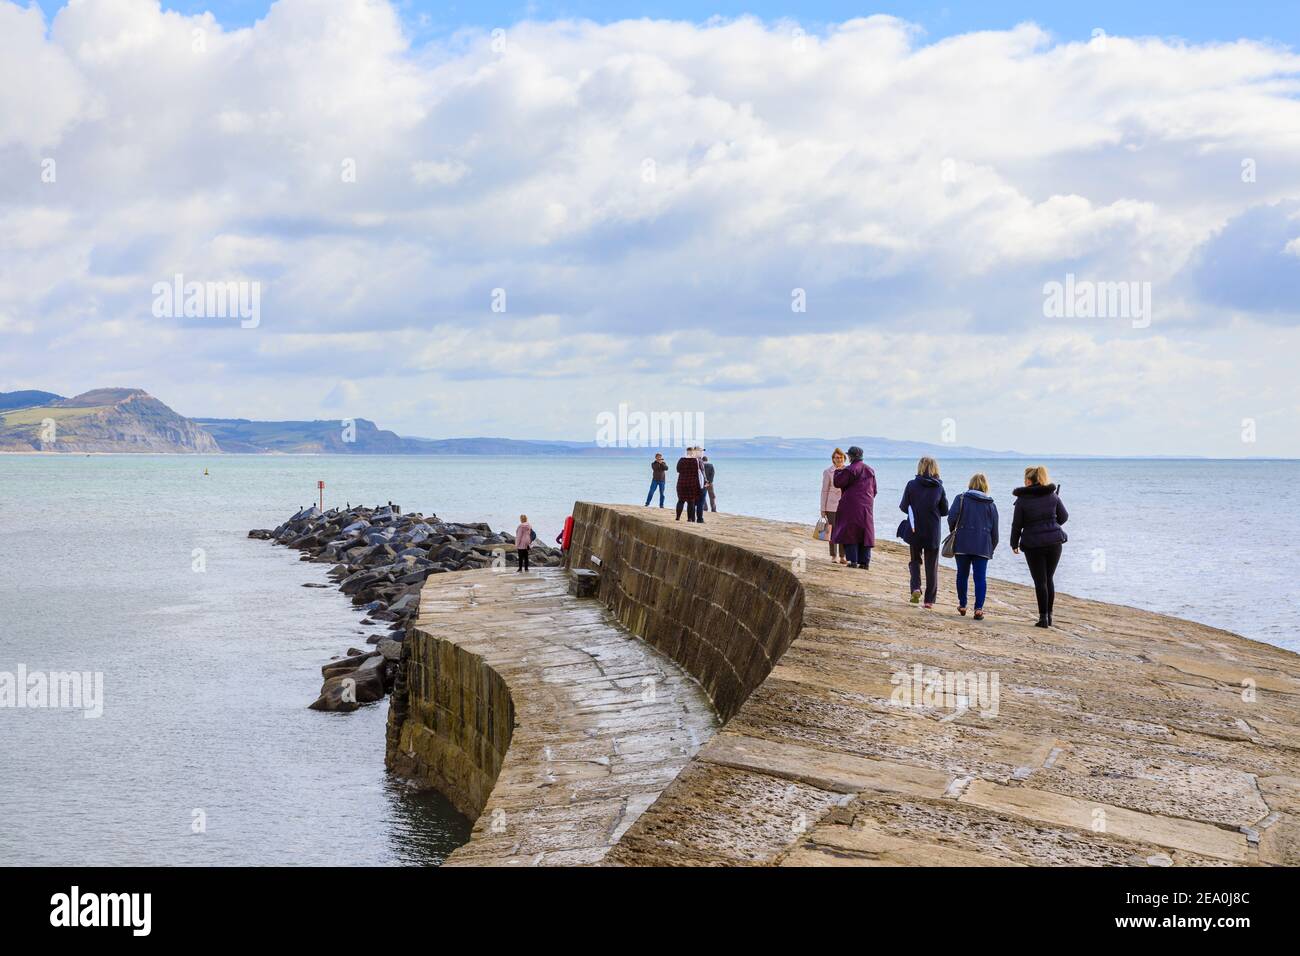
<point>450,720</point>
<point>539,716</point>
<point>724,613</point>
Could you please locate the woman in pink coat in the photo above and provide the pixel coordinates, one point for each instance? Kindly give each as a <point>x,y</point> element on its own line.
<point>831,499</point>
<point>523,541</point>
<point>855,520</point>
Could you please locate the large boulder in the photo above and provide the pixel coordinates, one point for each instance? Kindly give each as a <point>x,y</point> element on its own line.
<point>406,601</point>
<point>354,583</point>
<point>345,664</point>
<point>347,692</point>
<point>450,553</point>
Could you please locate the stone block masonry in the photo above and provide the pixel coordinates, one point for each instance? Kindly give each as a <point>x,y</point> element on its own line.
<point>724,612</point>
<point>538,716</point>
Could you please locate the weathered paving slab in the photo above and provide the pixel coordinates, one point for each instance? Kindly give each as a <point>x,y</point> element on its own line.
<point>591,723</point>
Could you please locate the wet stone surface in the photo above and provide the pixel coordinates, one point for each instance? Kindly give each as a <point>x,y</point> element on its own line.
<point>597,723</point>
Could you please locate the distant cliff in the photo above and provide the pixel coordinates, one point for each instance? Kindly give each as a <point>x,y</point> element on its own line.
<point>126,419</point>
<point>358,436</point>
<point>102,420</point>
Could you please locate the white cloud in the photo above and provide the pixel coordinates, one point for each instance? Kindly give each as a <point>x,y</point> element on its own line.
<point>647,193</point>
<point>441,173</point>
<point>344,394</point>
<point>41,91</point>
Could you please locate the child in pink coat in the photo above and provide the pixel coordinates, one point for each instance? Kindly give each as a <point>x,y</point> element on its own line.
<point>523,540</point>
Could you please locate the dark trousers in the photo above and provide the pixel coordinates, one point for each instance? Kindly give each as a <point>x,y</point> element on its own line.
<point>701,506</point>
<point>523,559</point>
<point>830,520</point>
<point>931,559</point>
<point>656,483</point>
<point>966,563</point>
<point>713,499</point>
<point>1042,566</point>
<point>859,554</point>
<point>690,510</point>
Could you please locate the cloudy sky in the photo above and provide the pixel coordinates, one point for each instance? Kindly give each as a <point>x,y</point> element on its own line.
<point>508,222</point>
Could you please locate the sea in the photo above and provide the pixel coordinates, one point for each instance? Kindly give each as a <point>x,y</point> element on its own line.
<point>139,569</point>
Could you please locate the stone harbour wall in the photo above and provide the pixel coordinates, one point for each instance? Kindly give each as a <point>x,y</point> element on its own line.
<point>450,721</point>
<point>582,731</point>
<point>539,717</point>
<point>724,613</point>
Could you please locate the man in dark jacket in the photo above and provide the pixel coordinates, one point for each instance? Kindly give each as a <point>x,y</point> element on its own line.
<point>925,501</point>
<point>1036,528</point>
<point>658,474</point>
<point>708,485</point>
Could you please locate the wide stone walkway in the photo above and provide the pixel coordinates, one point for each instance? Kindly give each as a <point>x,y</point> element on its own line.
<point>603,722</point>
<point>884,735</point>
<point>1120,737</point>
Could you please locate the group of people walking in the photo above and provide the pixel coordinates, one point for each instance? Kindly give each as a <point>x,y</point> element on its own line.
<point>695,475</point>
<point>848,512</point>
<point>847,508</point>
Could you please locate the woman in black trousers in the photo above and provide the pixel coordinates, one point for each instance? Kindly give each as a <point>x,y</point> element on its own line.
<point>1036,529</point>
<point>925,502</point>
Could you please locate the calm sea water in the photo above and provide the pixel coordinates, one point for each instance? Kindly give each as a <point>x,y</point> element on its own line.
<point>208,672</point>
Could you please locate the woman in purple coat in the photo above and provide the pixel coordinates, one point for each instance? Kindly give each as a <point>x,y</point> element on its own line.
<point>690,485</point>
<point>855,521</point>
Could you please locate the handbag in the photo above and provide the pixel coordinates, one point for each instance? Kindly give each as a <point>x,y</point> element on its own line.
<point>822,531</point>
<point>950,542</point>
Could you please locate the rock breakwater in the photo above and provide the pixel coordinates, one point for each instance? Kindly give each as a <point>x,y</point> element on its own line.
<point>381,559</point>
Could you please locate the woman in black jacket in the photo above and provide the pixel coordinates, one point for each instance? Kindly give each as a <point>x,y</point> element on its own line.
<point>925,502</point>
<point>1036,529</point>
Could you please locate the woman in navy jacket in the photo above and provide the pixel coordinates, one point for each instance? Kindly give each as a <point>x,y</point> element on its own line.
<point>1036,528</point>
<point>928,502</point>
<point>973,519</point>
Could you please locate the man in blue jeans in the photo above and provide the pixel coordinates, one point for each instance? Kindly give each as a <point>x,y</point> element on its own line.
<point>658,474</point>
